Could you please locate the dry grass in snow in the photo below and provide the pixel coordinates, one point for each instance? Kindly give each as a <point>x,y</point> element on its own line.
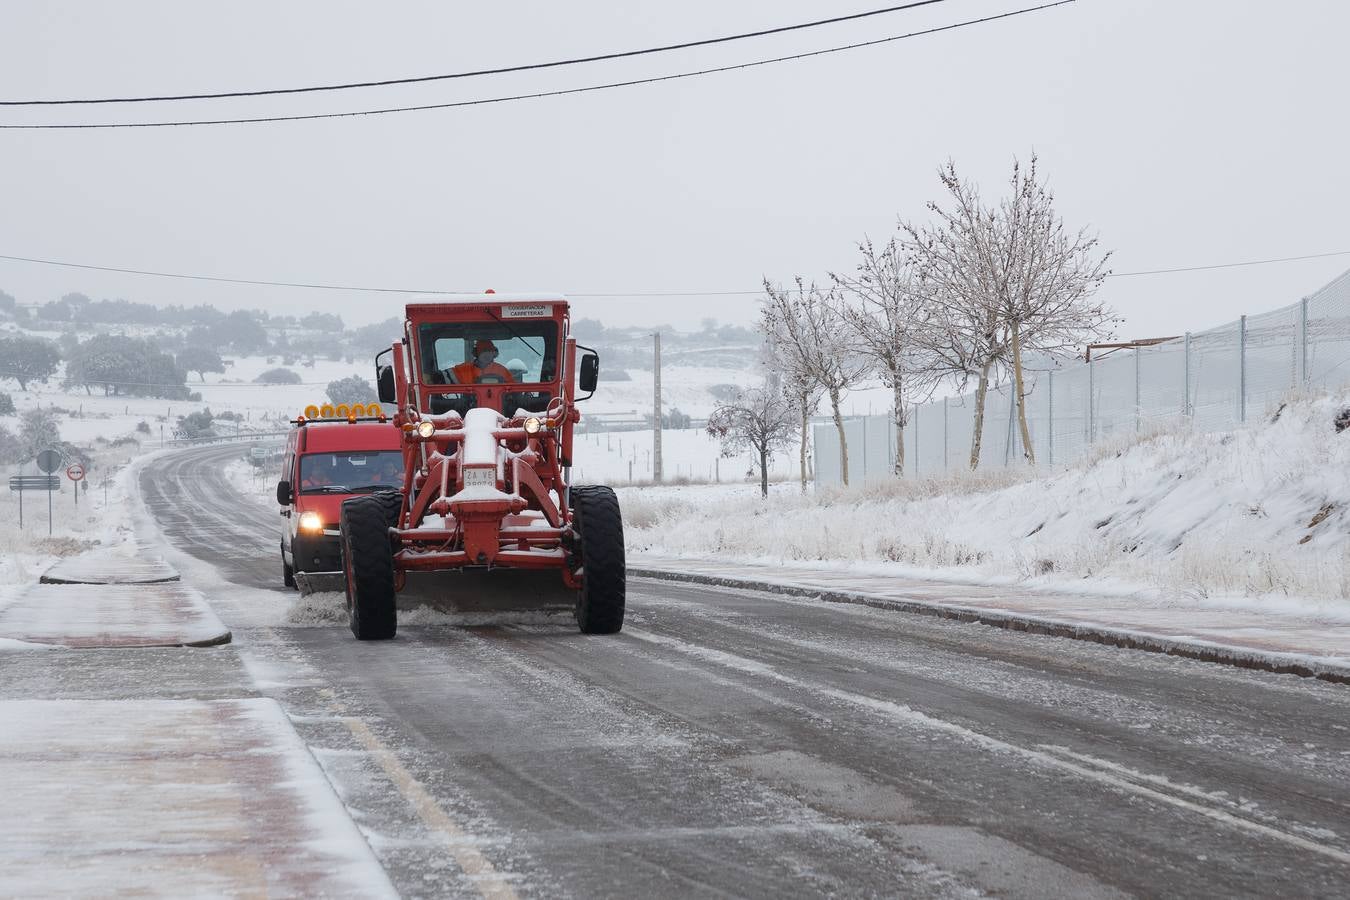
<point>1262,512</point>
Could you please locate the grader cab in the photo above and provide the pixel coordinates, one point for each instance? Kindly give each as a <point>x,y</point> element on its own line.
<point>484,389</point>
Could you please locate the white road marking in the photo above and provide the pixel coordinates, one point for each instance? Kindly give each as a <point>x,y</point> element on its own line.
<point>913,717</point>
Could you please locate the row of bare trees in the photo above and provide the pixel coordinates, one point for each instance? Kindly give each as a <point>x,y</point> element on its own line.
<point>965,297</point>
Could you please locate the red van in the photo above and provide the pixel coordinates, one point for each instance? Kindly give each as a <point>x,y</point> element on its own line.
<point>325,463</point>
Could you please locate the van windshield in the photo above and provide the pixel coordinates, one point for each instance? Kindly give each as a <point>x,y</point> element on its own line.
<point>351,472</point>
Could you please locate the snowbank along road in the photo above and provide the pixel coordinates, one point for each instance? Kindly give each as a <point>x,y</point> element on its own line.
<point>735,743</point>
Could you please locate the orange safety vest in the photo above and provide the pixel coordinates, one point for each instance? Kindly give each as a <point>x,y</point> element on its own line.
<point>469,373</point>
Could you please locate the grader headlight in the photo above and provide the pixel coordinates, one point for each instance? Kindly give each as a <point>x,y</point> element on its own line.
<point>426,428</point>
<point>533,425</point>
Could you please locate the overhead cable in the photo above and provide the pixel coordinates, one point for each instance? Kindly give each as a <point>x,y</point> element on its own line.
<point>485,101</point>
<point>575,294</point>
<point>527,67</point>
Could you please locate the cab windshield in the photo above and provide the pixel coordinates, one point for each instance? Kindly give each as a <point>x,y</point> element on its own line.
<point>516,352</point>
<point>351,472</point>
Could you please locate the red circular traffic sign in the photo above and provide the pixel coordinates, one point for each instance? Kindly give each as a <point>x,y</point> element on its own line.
<point>75,472</point>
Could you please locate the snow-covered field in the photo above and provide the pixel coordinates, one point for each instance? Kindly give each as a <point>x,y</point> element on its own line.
<point>1261,514</point>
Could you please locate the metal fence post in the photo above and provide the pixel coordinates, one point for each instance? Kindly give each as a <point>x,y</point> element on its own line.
<point>915,417</point>
<point>1303,341</point>
<point>1242,369</point>
<point>1138,403</point>
<point>1092,402</point>
<point>1186,408</point>
<point>1050,418</point>
<point>945,454</point>
<point>864,450</point>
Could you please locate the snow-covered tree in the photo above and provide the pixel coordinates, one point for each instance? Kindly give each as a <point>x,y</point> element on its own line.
<point>1046,292</point>
<point>887,320</point>
<point>955,259</point>
<point>200,360</point>
<point>1007,279</point>
<point>352,389</point>
<point>125,365</point>
<point>26,359</point>
<point>759,421</point>
<point>38,431</point>
<point>811,347</point>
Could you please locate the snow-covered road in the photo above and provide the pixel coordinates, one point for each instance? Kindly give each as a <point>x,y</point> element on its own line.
<point>731,742</point>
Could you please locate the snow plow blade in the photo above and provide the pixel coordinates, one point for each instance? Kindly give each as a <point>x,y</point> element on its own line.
<point>319,582</point>
<point>487,590</point>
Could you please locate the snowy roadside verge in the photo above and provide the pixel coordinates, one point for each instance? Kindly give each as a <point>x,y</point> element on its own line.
<point>1254,519</point>
<point>102,520</point>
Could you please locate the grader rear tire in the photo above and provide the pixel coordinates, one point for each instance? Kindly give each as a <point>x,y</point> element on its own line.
<point>368,563</point>
<point>600,605</point>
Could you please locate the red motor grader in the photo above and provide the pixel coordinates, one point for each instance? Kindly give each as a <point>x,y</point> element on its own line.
<point>485,393</point>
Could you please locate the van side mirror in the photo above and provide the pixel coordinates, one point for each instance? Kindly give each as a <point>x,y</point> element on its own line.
<point>384,378</point>
<point>283,493</point>
<point>589,375</point>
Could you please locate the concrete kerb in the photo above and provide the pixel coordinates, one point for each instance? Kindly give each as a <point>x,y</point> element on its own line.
<point>1224,654</point>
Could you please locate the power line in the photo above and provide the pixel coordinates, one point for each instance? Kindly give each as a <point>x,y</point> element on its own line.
<point>575,294</point>
<point>220,278</point>
<point>625,54</point>
<point>539,94</point>
<point>1235,265</point>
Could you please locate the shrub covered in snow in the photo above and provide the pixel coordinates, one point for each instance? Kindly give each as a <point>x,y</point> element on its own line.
<point>6,405</point>
<point>278,376</point>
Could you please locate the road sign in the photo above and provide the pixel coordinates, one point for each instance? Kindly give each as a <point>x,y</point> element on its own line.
<point>75,472</point>
<point>34,483</point>
<point>49,461</point>
<point>24,483</point>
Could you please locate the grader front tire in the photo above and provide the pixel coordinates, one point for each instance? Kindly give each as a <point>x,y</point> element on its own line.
<point>600,606</point>
<point>368,563</point>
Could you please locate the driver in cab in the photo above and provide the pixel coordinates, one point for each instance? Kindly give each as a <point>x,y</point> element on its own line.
<point>483,368</point>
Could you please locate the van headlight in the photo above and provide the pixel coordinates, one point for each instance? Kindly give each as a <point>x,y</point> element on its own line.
<point>310,521</point>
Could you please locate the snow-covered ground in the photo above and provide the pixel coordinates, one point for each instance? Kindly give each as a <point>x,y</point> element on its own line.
<point>1261,514</point>
<point>100,520</point>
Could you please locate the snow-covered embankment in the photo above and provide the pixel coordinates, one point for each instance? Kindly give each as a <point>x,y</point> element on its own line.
<point>1259,514</point>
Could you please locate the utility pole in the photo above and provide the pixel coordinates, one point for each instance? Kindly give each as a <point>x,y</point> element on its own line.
<point>656,411</point>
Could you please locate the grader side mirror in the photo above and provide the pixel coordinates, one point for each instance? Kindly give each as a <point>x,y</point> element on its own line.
<point>589,375</point>
<point>384,377</point>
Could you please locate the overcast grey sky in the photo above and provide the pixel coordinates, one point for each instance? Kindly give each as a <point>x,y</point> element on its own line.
<point>1185,132</point>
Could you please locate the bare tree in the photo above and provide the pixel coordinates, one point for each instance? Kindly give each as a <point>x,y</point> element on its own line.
<point>886,322</point>
<point>804,395</point>
<point>806,331</point>
<point>798,390</point>
<point>759,421</point>
<point>955,260</point>
<point>1047,283</point>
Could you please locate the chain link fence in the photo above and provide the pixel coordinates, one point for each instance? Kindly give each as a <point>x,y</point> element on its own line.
<point>1214,380</point>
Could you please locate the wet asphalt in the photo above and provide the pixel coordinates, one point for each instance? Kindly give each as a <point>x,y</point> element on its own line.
<point>731,743</point>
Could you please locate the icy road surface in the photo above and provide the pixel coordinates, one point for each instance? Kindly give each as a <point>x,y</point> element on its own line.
<point>732,743</point>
